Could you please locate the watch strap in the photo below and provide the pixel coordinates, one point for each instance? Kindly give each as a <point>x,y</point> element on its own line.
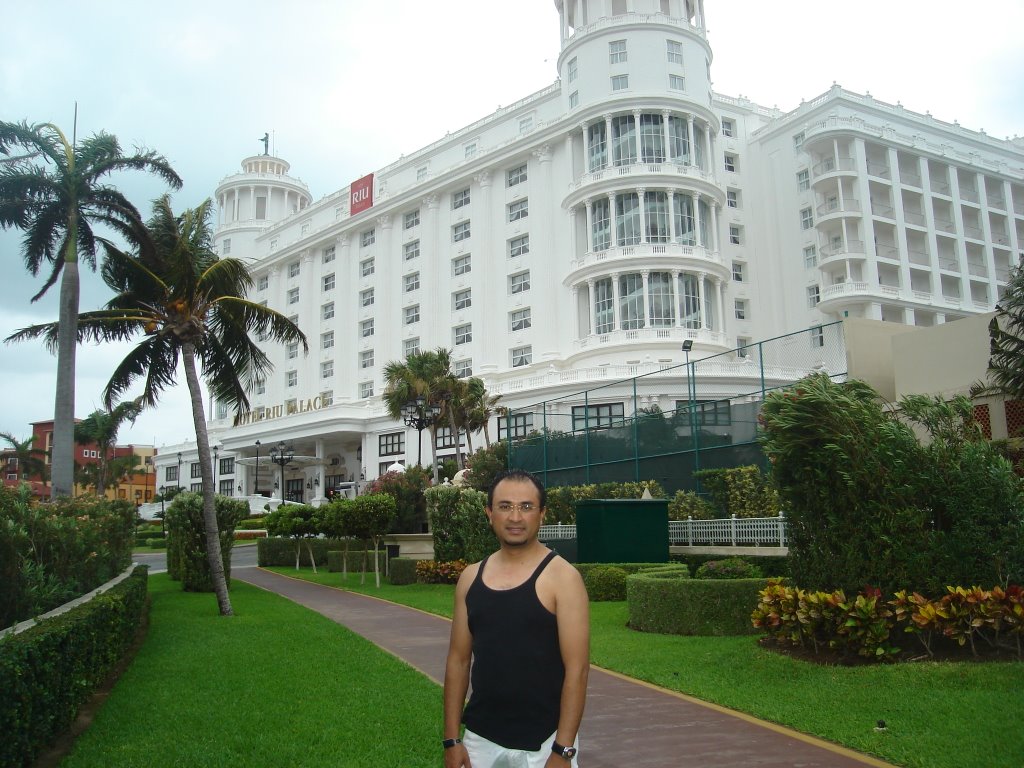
<point>449,743</point>
<point>567,752</point>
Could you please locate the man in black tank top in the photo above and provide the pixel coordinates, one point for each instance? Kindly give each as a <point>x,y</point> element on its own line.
<point>522,618</point>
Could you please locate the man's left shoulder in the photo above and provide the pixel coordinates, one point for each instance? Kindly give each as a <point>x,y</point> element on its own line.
<point>564,571</point>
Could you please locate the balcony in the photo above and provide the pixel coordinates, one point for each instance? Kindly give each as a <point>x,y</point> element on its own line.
<point>973,232</point>
<point>969,194</point>
<point>850,249</point>
<point>879,170</point>
<point>831,208</point>
<point>832,165</point>
<point>671,171</point>
<point>672,336</point>
<point>653,255</point>
<point>883,210</point>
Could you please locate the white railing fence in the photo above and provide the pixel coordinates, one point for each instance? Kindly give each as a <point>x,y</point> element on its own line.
<point>731,531</point>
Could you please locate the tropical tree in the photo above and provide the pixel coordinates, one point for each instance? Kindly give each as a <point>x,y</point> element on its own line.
<point>189,305</point>
<point>101,428</point>
<point>31,461</point>
<point>54,192</point>
<point>421,374</point>
<point>481,408</point>
<point>1006,342</point>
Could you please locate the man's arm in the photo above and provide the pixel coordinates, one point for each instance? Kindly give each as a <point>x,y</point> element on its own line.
<point>572,610</point>
<point>456,673</point>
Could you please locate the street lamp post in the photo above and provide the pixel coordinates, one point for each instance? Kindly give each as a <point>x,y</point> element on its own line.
<point>420,414</point>
<point>691,396</point>
<point>163,490</point>
<point>256,482</point>
<point>215,449</point>
<point>179,471</point>
<point>281,454</point>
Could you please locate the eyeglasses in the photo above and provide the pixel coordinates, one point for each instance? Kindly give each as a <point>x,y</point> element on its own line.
<point>506,507</point>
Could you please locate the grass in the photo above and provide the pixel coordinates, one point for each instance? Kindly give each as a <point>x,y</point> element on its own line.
<point>275,685</point>
<point>938,714</point>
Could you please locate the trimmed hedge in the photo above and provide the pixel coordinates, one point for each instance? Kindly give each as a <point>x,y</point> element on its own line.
<point>186,538</point>
<point>160,543</point>
<point>144,536</point>
<point>631,568</point>
<point>605,583</point>
<point>770,565</point>
<point>661,602</point>
<point>49,670</point>
<point>278,550</point>
<point>403,571</point>
<point>355,560</point>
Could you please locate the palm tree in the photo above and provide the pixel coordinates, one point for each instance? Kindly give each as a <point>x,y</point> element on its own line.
<point>54,192</point>
<point>481,407</point>
<point>1006,343</point>
<point>421,374</point>
<point>31,461</point>
<point>189,304</point>
<point>101,428</point>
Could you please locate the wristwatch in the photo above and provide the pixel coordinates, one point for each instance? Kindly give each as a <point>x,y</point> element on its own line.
<point>449,743</point>
<point>568,753</point>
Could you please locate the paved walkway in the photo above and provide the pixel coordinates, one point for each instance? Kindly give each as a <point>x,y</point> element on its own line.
<point>626,722</point>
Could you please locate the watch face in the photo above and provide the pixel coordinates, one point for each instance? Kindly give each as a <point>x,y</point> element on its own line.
<point>569,753</point>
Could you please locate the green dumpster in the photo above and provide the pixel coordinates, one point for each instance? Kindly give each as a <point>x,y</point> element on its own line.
<point>622,530</point>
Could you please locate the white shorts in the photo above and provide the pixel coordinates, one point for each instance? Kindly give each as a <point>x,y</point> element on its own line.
<point>487,754</point>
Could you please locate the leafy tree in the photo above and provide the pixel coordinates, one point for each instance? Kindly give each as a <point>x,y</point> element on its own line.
<point>335,521</point>
<point>298,522</point>
<point>407,490</point>
<point>481,407</point>
<point>54,192</point>
<point>31,461</point>
<point>484,465</point>
<point>1006,339</point>
<point>373,515</point>
<point>101,428</point>
<point>189,304</point>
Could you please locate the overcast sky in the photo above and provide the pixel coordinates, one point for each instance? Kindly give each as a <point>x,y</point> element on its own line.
<point>345,88</point>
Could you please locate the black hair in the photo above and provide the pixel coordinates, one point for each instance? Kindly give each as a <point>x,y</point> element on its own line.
<point>521,475</point>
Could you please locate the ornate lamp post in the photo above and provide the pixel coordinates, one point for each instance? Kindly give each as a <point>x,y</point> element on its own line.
<point>179,471</point>
<point>420,414</point>
<point>256,482</point>
<point>281,454</point>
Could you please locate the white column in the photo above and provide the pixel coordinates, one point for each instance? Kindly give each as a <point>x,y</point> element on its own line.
<point>615,300</point>
<point>700,299</point>
<point>961,246</point>
<point>986,229</point>
<point>612,228</point>
<point>671,216</point>
<point>709,155</point>
<point>720,286</point>
<point>715,248</point>
<point>674,297</point>
<point>701,240</point>
<point>664,133</point>
<point>589,225</point>
<point>572,232</point>
<point>691,149</point>
<point>252,202</point>
<point>319,488</point>
<point>586,148</point>
<point>645,275</point>
<point>593,305</point>
<point>576,311</point>
<point>640,191</point>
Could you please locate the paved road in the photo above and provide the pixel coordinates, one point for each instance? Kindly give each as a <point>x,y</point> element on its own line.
<point>241,557</point>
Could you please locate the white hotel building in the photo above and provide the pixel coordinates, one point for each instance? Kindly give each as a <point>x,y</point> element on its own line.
<point>580,235</point>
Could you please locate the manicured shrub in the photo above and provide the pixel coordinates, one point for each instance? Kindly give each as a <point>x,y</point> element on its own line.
<point>278,551</point>
<point>605,582</point>
<point>459,524</point>
<point>160,543</point>
<point>437,572</point>
<point>253,524</point>
<point>741,491</point>
<point>484,465</point>
<point>630,568</point>
<point>49,670</point>
<point>299,522</point>
<point>406,488</point>
<point>402,571</point>
<point>729,568</point>
<point>662,602</point>
<point>249,535</point>
<point>186,538</point>
<point>687,504</point>
<point>561,504</point>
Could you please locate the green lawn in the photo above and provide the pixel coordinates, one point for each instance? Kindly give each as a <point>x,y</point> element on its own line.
<point>276,685</point>
<point>938,715</point>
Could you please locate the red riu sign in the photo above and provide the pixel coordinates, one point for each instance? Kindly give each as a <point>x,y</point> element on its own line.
<point>361,195</point>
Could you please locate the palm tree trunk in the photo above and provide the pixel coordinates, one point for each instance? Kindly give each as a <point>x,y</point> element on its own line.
<point>433,450</point>
<point>455,435</point>
<point>487,433</point>
<point>220,585</point>
<point>63,457</point>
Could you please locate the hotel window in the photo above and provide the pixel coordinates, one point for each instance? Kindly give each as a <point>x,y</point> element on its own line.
<point>463,333</point>
<point>445,439</point>
<point>369,237</point>
<point>227,487</point>
<point>732,198</point>
<point>411,282</point>
<point>470,150</point>
<point>293,269</point>
<point>656,207</point>
<point>675,52</point>
<point>366,389</point>
<point>366,267</point>
<point>463,368</point>
<point>411,219</point>
<point>593,416</point>
<point>411,250</point>
<point>526,124</point>
<point>291,378</point>
<point>811,256</point>
<point>736,234</point>
<point>806,218</point>
<point>737,271</point>
<point>261,387</point>
<point>798,141</point>
<point>519,320</point>
<point>412,314</point>
<point>227,245</point>
<point>462,299</point>
<point>327,340</point>
<point>460,232</point>
<point>728,129</point>
<point>597,136</point>
<point>411,346</point>
<point>519,282</point>
<point>196,487</point>
<point>421,173</point>
<point>366,328</point>
<point>515,425</point>
<point>392,444</point>
<point>623,140</point>
<point>817,337</point>
<point>742,346</point>
<point>262,282</point>
<point>617,52</point>
<point>662,310</point>
<point>574,99</point>
<point>573,70</point>
<point>631,301</point>
<point>291,350</point>
<point>813,296</point>
<point>329,282</point>
<point>604,306</point>
<point>462,265</point>
<point>652,140</point>
<point>520,209</point>
<point>293,296</point>
<point>677,82</point>
<point>170,473</point>
<point>620,82</point>
<point>460,199</point>
<point>740,307</point>
<point>328,254</point>
<point>327,397</point>
<point>366,297</point>
<point>522,356</point>
<point>517,246</point>
<point>731,163</point>
<point>227,466</point>
<point>326,369</point>
<point>366,359</point>
<point>515,176</point>
<point>803,180</point>
<point>601,225</point>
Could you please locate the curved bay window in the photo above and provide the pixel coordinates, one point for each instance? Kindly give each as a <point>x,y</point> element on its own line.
<point>623,140</point>
<point>662,311</point>
<point>627,218</point>
<point>647,138</point>
<point>631,301</point>
<point>604,306</point>
<point>656,208</point>
<point>686,229</point>
<point>689,301</point>
<point>601,225</point>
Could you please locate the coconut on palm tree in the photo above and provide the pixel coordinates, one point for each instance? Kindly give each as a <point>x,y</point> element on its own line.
<point>54,191</point>
<point>189,304</point>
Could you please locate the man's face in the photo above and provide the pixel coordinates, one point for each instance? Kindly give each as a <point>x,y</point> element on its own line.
<point>516,513</point>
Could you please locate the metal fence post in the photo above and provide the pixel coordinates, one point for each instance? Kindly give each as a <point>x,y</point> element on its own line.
<point>689,530</point>
<point>732,528</point>
<point>782,529</point>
